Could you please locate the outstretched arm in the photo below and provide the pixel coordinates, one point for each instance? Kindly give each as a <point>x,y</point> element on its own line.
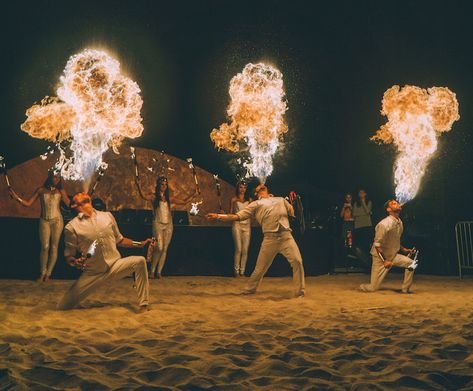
<point>222,217</point>
<point>23,202</point>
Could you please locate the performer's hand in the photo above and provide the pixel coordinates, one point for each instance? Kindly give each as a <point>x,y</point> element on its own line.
<point>78,263</point>
<point>145,242</point>
<point>408,250</point>
<point>211,216</point>
<point>388,264</point>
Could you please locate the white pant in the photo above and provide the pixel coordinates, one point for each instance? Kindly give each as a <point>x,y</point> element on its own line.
<point>241,240</point>
<point>49,236</point>
<point>379,272</point>
<point>273,244</point>
<point>88,283</point>
<point>163,235</point>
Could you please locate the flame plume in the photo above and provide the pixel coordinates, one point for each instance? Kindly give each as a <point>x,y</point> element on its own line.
<point>416,117</point>
<point>96,108</point>
<point>256,112</point>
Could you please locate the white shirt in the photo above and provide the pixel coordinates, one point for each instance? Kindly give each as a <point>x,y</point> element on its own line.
<point>271,213</point>
<point>388,237</point>
<point>82,230</point>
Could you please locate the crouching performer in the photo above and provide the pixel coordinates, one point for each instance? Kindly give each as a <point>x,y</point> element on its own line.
<point>95,236</point>
<point>272,214</point>
<point>385,250</point>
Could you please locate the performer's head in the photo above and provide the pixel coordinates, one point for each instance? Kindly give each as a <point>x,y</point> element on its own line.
<point>82,203</point>
<point>241,188</point>
<point>261,191</point>
<point>392,207</point>
<point>161,187</point>
<point>53,180</point>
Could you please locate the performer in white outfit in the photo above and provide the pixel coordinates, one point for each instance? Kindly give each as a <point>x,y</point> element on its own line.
<point>385,250</point>
<point>272,213</point>
<point>162,225</point>
<point>241,230</point>
<point>51,222</point>
<point>104,263</point>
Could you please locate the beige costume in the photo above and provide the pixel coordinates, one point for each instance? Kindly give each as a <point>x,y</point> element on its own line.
<point>272,214</point>
<point>106,264</point>
<point>162,231</point>
<point>388,238</point>
<point>241,231</point>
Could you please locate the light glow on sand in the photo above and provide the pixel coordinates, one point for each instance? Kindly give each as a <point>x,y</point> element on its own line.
<point>416,118</point>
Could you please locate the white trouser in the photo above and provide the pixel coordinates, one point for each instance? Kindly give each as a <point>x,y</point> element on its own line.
<point>273,244</point>
<point>163,235</point>
<point>49,236</point>
<point>379,272</point>
<point>88,283</point>
<point>241,240</point>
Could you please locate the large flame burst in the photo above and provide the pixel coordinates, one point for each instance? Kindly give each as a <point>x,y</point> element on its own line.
<point>97,106</point>
<point>416,118</point>
<point>256,112</point>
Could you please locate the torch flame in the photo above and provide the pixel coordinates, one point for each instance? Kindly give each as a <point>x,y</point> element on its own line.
<point>256,112</point>
<point>97,106</point>
<point>416,117</point>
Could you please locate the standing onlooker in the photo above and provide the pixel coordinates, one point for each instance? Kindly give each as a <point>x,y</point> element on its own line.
<point>347,219</point>
<point>362,210</point>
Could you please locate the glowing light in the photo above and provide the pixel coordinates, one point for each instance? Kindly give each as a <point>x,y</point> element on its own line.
<point>416,117</point>
<point>96,108</point>
<point>195,208</point>
<point>256,112</point>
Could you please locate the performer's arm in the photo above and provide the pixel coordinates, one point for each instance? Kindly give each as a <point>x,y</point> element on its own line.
<point>406,250</point>
<point>129,243</point>
<point>23,202</point>
<point>380,232</point>
<point>289,208</point>
<point>70,249</point>
<point>222,216</point>
<point>65,198</point>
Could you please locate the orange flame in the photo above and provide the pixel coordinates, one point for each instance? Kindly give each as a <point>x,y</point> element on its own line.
<point>256,112</point>
<point>416,117</point>
<point>97,107</point>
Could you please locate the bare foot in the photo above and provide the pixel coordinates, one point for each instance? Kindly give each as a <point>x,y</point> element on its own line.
<point>47,278</point>
<point>42,278</point>
<point>151,276</point>
<point>143,309</point>
<point>159,276</point>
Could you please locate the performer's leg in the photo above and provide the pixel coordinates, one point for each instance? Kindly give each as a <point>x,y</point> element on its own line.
<point>83,287</point>
<point>56,231</point>
<point>378,273</point>
<point>44,238</point>
<point>291,251</point>
<point>269,249</point>
<point>126,267</point>
<point>245,244</point>
<point>167,236</point>
<point>236,233</point>
<point>404,262</point>
<point>157,233</point>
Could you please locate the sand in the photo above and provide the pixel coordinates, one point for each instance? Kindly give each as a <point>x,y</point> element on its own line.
<point>201,335</point>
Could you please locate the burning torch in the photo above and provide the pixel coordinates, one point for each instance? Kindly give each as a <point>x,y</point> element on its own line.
<point>195,208</point>
<point>219,194</point>
<point>89,254</point>
<point>101,173</point>
<point>135,163</point>
<point>194,173</point>
<point>3,169</point>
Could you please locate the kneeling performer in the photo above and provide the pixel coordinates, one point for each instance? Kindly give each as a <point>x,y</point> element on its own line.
<point>92,228</point>
<point>385,249</point>
<point>272,214</point>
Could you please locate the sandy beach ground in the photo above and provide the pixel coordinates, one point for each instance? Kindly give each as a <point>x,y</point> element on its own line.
<point>200,334</point>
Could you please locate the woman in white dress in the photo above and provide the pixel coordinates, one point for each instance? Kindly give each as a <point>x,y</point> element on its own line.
<point>241,230</point>
<point>162,226</point>
<point>51,221</point>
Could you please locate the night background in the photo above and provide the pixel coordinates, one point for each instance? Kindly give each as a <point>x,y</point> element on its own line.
<point>337,60</point>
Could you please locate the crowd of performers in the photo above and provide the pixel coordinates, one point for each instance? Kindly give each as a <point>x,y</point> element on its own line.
<point>91,239</point>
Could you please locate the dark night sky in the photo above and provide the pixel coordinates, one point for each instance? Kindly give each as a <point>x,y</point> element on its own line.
<point>337,58</point>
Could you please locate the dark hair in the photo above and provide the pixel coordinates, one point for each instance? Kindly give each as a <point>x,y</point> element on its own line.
<point>358,200</point>
<point>237,190</point>
<point>386,204</point>
<point>157,198</point>
<point>48,183</point>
